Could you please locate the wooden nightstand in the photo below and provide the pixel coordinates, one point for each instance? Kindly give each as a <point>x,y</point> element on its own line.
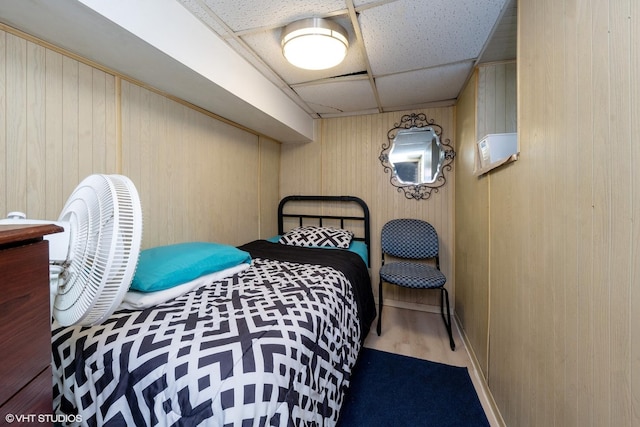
<point>25,322</point>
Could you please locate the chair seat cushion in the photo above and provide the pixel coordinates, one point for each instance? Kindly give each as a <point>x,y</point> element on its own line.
<point>412,275</point>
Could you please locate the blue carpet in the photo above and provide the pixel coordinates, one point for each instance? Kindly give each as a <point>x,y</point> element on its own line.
<point>392,390</point>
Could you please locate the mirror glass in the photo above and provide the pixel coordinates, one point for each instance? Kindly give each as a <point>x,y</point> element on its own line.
<point>416,155</point>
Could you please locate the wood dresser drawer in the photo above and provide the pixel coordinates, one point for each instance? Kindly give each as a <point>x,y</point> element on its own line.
<point>34,399</point>
<point>25,320</point>
<point>24,316</point>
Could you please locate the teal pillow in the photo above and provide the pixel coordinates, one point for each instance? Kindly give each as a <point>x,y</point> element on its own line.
<point>356,246</point>
<point>163,267</point>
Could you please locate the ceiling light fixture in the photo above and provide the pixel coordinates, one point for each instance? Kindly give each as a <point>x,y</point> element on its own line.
<point>314,43</point>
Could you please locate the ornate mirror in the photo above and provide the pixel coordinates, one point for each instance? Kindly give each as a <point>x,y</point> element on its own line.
<point>416,157</point>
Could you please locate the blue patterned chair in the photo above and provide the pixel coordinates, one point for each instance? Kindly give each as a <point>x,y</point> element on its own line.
<point>412,240</point>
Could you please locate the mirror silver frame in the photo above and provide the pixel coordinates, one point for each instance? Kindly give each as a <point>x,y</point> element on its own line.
<point>422,190</point>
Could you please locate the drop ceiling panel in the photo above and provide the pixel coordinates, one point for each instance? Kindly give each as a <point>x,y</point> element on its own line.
<point>423,86</point>
<point>203,13</point>
<point>339,96</point>
<point>413,34</point>
<point>243,15</point>
<point>399,45</point>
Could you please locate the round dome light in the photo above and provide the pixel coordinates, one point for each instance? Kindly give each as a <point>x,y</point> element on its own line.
<point>314,43</point>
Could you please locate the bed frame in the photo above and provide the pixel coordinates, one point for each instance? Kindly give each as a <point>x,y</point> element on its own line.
<point>366,238</point>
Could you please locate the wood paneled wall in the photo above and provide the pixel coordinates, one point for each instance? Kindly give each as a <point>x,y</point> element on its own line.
<point>344,161</point>
<point>497,98</point>
<point>564,303</point>
<point>486,106</point>
<point>61,119</point>
<point>472,229</point>
<point>196,176</point>
<point>57,125</point>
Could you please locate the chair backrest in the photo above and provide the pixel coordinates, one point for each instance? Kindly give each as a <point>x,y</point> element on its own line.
<point>409,238</point>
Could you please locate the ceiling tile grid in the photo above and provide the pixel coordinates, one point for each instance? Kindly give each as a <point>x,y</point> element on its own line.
<point>339,96</point>
<point>412,34</point>
<point>202,12</point>
<point>402,53</point>
<point>421,87</point>
<point>245,15</point>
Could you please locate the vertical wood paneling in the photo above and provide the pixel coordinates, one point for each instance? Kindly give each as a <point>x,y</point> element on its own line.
<point>269,186</point>
<point>472,229</point>
<point>70,127</point>
<point>586,394</point>
<point>511,98</point>
<point>344,160</point>
<point>36,122</point>
<point>563,242</point>
<point>98,119</point>
<point>53,162</point>
<point>85,119</point>
<point>53,117</point>
<point>566,367</point>
<point>634,233</point>
<point>198,177</point>
<point>16,131</point>
<point>620,167</point>
<point>497,97</point>
<point>301,166</point>
<point>601,233</point>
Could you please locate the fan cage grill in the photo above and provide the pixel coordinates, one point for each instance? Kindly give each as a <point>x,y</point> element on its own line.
<point>106,221</point>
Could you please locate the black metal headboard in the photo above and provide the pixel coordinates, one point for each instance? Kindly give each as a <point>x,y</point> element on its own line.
<point>343,199</point>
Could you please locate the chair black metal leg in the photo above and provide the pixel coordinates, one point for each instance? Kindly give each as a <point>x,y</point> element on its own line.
<point>379,329</point>
<point>447,319</point>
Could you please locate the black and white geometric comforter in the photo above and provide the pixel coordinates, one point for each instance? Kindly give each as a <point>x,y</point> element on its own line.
<point>272,346</point>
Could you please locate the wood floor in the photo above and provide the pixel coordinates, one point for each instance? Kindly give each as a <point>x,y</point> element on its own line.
<point>423,335</point>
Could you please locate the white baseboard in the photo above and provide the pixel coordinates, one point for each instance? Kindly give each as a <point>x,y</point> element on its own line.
<point>486,398</point>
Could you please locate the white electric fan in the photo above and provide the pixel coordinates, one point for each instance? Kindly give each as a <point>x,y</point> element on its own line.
<point>93,261</point>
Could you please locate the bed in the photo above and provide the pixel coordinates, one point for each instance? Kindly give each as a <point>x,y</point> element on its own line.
<point>270,344</point>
